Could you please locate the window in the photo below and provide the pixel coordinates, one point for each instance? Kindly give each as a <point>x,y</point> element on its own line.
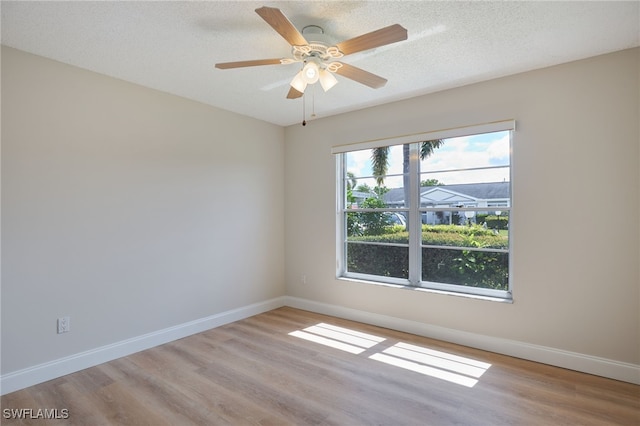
<point>429,210</point>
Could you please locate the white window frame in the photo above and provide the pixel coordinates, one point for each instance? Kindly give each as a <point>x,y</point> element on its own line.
<point>415,211</point>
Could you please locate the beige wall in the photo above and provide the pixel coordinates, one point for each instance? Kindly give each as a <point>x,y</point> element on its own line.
<point>128,209</point>
<point>132,210</point>
<point>575,207</point>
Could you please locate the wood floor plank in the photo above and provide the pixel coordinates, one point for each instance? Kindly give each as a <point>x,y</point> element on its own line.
<point>122,406</point>
<point>21,399</point>
<point>364,387</point>
<point>322,392</point>
<point>206,394</point>
<point>66,395</point>
<point>293,367</point>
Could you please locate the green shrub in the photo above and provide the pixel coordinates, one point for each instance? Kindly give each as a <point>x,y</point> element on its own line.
<point>385,261</point>
<point>441,235</point>
<point>457,229</point>
<point>476,237</point>
<point>445,265</point>
<point>353,225</point>
<point>497,222</point>
<point>373,223</point>
<point>401,237</point>
<point>466,267</point>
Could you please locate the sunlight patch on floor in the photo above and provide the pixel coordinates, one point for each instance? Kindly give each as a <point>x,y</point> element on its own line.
<point>443,360</point>
<point>452,368</point>
<point>442,365</point>
<point>345,339</point>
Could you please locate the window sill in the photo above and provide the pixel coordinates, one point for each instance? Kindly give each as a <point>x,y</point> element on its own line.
<point>430,290</point>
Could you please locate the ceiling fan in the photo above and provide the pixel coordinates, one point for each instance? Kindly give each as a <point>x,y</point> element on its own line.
<point>319,58</point>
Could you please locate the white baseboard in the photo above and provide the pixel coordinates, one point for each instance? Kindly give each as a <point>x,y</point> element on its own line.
<point>571,360</point>
<point>21,379</point>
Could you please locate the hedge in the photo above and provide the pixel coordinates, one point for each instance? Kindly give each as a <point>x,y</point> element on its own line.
<point>444,235</point>
<point>385,261</point>
<point>444,265</point>
<point>494,221</point>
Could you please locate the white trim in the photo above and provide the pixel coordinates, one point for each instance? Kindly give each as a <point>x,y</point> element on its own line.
<point>30,376</point>
<point>341,234</point>
<point>414,216</point>
<point>604,367</point>
<point>476,129</point>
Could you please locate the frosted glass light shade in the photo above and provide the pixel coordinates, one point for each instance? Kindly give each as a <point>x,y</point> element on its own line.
<point>327,80</point>
<point>299,83</point>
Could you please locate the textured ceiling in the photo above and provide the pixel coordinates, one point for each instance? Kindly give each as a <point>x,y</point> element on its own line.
<point>172,46</point>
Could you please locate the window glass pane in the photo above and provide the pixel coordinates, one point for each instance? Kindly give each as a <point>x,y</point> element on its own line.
<point>468,228</point>
<point>466,268</point>
<point>470,152</point>
<point>372,174</point>
<point>468,160</point>
<point>383,226</point>
<point>360,164</point>
<point>357,190</point>
<point>385,261</point>
<point>454,179</point>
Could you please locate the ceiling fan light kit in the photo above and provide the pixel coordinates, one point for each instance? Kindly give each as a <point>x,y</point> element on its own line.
<point>318,56</point>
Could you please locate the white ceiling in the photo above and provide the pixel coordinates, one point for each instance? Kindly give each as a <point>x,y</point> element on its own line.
<point>173,46</point>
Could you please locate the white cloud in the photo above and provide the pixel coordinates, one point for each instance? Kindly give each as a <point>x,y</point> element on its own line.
<point>457,153</point>
<point>465,153</point>
<point>359,162</point>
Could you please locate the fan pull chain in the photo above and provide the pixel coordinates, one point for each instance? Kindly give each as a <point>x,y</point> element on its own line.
<point>313,105</point>
<point>304,122</point>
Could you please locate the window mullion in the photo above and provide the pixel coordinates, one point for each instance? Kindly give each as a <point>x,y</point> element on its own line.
<point>415,222</point>
<point>341,220</point>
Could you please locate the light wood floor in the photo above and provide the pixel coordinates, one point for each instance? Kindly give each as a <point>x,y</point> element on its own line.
<point>254,372</point>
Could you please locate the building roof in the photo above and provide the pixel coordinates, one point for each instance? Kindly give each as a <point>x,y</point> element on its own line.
<point>478,191</point>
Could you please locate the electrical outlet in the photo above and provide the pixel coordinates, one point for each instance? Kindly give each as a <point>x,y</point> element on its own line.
<point>303,279</point>
<point>64,324</point>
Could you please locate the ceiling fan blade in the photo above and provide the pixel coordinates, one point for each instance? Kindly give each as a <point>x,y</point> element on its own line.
<point>361,76</point>
<point>293,94</point>
<point>255,63</point>
<point>282,25</point>
<point>381,37</point>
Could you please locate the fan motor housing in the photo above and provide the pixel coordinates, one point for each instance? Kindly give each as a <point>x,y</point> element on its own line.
<point>320,45</point>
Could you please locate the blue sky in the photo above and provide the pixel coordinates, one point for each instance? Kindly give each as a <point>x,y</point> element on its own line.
<point>477,151</point>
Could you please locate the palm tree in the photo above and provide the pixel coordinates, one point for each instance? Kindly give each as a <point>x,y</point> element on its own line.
<point>351,181</point>
<point>380,161</point>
